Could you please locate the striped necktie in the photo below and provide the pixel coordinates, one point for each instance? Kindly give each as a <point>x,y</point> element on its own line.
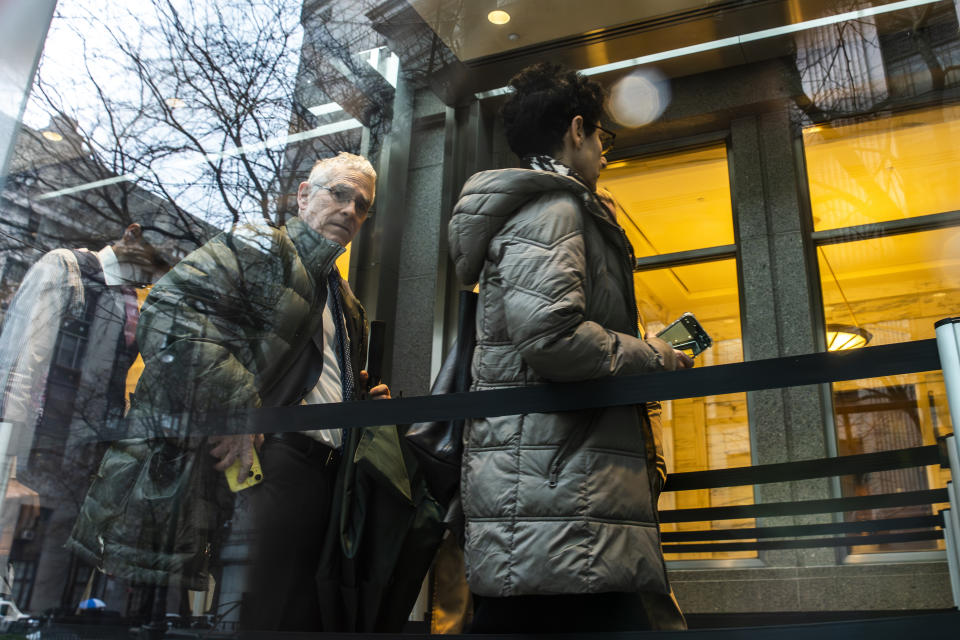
<point>340,336</point>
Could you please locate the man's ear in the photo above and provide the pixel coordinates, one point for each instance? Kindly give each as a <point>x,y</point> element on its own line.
<point>303,195</point>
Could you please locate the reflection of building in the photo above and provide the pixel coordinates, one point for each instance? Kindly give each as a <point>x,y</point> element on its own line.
<point>40,508</point>
<point>799,176</point>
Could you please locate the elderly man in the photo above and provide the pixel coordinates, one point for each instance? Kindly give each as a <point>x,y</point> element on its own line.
<point>260,317</point>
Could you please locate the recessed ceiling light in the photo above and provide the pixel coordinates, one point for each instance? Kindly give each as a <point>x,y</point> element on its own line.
<point>498,16</point>
<point>175,103</point>
<point>52,136</point>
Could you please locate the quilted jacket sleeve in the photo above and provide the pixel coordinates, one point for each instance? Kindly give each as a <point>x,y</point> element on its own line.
<point>541,264</point>
<point>202,329</point>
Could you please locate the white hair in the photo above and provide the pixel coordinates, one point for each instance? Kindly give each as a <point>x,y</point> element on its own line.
<point>322,169</point>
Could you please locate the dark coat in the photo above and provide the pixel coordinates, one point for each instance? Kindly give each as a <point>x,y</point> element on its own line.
<point>384,531</point>
<point>217,335</point>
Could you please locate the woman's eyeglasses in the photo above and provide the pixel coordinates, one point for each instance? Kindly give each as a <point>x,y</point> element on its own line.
<point>606,140</point>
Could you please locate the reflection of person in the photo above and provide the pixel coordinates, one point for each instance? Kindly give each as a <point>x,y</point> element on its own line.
<point>561,523</point>
<point>261,317</point>
<point>68,341</point>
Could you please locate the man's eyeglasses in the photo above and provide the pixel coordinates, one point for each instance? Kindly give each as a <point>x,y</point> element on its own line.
<point>606,140</point>
<point>345,195</point>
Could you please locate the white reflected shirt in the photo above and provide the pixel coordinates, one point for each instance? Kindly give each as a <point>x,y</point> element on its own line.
<point>329,387</point>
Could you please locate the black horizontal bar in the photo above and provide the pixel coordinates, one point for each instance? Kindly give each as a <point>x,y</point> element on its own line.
<point>811,543</point>
<point>814,368</point>
<point>680,258</point>
<point>888,524</point>
<point>827,505</point>
<point>804,469</point>
<point>886,228</point>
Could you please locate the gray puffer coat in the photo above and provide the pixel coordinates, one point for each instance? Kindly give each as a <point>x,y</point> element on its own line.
<point>556,502</point>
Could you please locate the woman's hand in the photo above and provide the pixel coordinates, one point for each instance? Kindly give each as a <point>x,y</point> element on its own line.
<point>683,360</point>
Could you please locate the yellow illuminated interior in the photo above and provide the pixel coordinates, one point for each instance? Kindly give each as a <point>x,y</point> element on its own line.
<point>675,202</point>
<point>343,263</point>
<point>895,287</point>
<point>701,433</point>
<point>136,369</point>
<point>885,169</point>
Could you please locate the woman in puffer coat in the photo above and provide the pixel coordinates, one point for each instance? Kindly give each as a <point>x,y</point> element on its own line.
<point>561,523</point>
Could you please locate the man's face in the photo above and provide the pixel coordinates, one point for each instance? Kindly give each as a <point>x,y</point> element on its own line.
<point>338,207</point>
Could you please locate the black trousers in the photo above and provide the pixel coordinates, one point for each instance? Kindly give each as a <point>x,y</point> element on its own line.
<point>565,613</point>
<point>290,513</point>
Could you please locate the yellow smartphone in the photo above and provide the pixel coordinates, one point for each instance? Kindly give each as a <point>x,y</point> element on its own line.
<point>254,477</point>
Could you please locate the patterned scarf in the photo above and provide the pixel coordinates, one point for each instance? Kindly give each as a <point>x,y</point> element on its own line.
<point>551,164</point>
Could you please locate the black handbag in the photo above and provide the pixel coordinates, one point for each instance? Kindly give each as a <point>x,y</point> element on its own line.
<point>439,444</point>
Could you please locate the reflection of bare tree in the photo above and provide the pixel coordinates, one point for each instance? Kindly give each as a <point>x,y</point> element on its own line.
<point>860,66</point>
<point>203,118</point>
<point>176,114</point>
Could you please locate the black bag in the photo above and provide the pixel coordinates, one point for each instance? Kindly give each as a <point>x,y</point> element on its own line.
<point>439,444</point>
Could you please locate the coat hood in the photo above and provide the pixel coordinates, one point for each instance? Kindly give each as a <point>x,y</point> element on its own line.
<point>488,200</point>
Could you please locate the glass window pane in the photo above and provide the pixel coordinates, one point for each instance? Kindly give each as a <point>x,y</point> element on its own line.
<point>882,414</point>
<point>885,169</point>
<point>894,288</point>
<point>674,203</point>
<point>701,433</point>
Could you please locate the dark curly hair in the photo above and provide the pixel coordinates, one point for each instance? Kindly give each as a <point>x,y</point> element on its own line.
<point>547,96</point>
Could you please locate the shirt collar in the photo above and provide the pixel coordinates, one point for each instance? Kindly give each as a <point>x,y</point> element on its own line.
<point>111,267</point>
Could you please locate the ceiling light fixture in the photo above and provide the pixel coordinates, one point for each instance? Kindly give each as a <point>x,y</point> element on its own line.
<point>498,17</point>
<point>52,136</point>
<point>842,337</point>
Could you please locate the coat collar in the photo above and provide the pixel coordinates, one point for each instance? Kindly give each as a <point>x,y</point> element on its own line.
<point>316,252</point>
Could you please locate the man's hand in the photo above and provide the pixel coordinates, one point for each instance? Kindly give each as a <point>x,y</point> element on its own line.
<point>379,392</point>
<point>683,360</point>
<point>229,449</point>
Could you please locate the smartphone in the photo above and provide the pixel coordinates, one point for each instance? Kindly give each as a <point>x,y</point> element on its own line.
<point>378,332</point>
<point>686,334</point>
<point>254,476</point>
